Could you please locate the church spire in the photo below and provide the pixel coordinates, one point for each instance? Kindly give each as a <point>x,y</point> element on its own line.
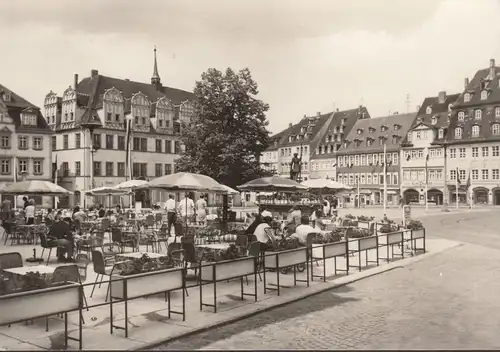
<point>155,79</point>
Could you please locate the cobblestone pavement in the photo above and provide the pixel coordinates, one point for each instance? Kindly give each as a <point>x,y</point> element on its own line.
<point>447,301</point>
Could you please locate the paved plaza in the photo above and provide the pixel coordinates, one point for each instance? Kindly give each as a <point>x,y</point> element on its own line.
<point>446,301</point>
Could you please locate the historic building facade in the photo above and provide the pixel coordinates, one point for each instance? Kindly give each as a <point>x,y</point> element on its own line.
<point>24,143</point>
<point>360,160</point>
<point>90,145</point>
<point>473,141</point>
<point>422,153</point>
<point>324,157</point>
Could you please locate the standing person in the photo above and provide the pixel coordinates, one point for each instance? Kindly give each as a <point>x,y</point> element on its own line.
<point>29,213</point>
<point>326,208</point>
<point>26,202</point>
<point>186,208</point>
<point>7,216</point>
<point>102,211</point>
<point>170,209</point>
<point>201,209</point>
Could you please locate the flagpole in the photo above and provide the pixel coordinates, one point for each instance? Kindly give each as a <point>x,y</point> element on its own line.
<point>456,190</point>
<point>359,199</point>
<point>15,181</point>
<point>426,182</point>
<point>56,199</point>
<point>385,177</point>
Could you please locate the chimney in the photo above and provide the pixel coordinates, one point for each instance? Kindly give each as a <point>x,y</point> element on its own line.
<point>93,73</point>
<point>290,125</point>
<point>75,81</point>
<point>127,80</point>
<point>305,115</point>
<point>466,82</point>
<point>441,97</point>
<point>318,113</point>
<point>492,69</point>
<point>337,110</point>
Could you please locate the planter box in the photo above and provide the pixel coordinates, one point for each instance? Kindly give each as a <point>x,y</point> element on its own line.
<point>330,250</point>
<point>378,226</point>
<point>390,238</point>
<point>286,258</point>
<point>363,224</point>
<point>147,284</point>
<point>362,244</point>
<point>228,269</point>
<point>29,305</point>
<point>415,234</point>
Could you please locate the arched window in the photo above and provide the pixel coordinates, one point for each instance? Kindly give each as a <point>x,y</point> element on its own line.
<point>428,111</point>
<point>458,133</point>
<point>475,131</point>
<point>478,114</point>
<point>466,97</point>
<point>461,116</point>
<point>441,133</point>
<point>434,120</point>
<point>495,129</point>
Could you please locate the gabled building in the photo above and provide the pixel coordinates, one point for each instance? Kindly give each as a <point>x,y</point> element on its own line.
<point>24,143</point>
<point>360,159</point>
<point>473,140</point>
<point>90,120</point>
<point>422,153</point>
<point>324,156</point>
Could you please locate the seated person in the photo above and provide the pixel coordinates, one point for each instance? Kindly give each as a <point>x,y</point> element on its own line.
<point>257,221</point>
<point>317,223</point>
<point>102,211</point>
<point>303,230</point>
<point>264,233</point>
<point>60,234</point>
<point>79,215</point>
<point>293,220</point>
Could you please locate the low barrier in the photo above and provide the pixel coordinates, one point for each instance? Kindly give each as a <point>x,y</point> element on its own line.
<point>328,251</point>
<point>412,236</point>
<point>389,240</point>
<point>126,288</point>
<point>284,259</point>
<point>212,273</point>
<point>30,305</point>
<point>360,245</point>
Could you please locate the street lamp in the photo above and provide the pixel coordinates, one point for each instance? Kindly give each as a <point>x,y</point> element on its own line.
<point>91,125</point>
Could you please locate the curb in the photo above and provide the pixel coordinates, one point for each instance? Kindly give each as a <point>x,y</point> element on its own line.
<point>390,267</point>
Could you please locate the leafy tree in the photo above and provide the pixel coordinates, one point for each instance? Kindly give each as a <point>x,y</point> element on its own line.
<point>228,134</point>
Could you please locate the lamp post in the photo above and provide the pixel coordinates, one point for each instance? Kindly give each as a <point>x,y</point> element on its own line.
<point>91,125</point>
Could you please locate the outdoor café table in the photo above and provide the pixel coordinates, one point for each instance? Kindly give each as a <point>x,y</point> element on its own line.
<point>17,274</point>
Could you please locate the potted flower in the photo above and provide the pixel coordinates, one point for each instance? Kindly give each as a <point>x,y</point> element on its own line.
<point>226,264</point>
<point>290,252</point>
<point>414,225</point>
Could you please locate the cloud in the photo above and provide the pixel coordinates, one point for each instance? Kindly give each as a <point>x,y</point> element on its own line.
<point>304,57</point>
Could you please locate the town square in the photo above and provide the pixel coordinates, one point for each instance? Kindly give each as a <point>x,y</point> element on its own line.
<point>265,175</point>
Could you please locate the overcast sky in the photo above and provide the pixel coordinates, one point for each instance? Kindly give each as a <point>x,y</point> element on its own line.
<point>306,55</point>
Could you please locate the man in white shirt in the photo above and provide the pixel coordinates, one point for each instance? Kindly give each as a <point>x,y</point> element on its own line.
<point>303,230</point>
<point>186,207</point>
<point>170,209</point>
<point>263,232</point>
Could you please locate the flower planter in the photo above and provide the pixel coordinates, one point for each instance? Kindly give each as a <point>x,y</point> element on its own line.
<point>363,224</point>
<point>227,269</point>
<point>330,250</point>
<point>285,258</point>
<point>390,238</point>
<point>362,244</point>
<point>416,234</point>
<point>28,305</point>
<point>147,283</point>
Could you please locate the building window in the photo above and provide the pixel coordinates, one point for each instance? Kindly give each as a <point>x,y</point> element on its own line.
<point>121,169</point>
<point>461,116</point>
<point>65,169</point>
<point>97,141</point>
<point>65,141</point>
<point>462,153</point>
<point>78,168</point>
<point>495,150</point>
<point>158,170</point>
<point>136,144</point>
<point>434,120</point>
<point>495,129</point>
<point>484,95</point>
<point>109,141</point>
<point>484,174</point>
<point>441,133</point>
<point>428,111</point>
<point>38,167</point>
<point>495,174</point>
<point>462,174</point>
<point>475,174</point>
<point>37,143</point>
<point>117,117</point>
<point>144,144</point>
<point>395,178</point>
<point>121,143</point>
<point>484,151</point>
<point>478,114</point>
<point>177,147</point>
<point>475,152</point>
<point>109,116</point>
<point>5,142</point>
<point>78,140</point>
<point>23,142</point>
<point>23,166</point>
<point>97,168</point>
<point>54,142</point>
<point>136,120</point>
<point>139,170</point>
<point>158,145</point>
<point>458,133</point>
<point>466,97</point>
<point>453,153</point>
<point>143,120</point>
<point>5,166</point>
<point>475,131</point>
<point>109,168</point>
<point>497,111</point>
<point>418,136</point>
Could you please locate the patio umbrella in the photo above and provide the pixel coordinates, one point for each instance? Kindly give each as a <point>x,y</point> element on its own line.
<point>131,184</point>
<point>105,191</point>
<point>325,185</point>
<point>229,190</point>
<point>34,187</point>
<point>187,182</point>
<point>276,184</point>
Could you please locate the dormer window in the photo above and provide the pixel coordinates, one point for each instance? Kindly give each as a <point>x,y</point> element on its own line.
<point>458,133</point>
<point>342,122</point>
<point>484,95</point>
<point>434,120</point>
<point>428,110</point>
<point>495,129</point>
<point>359,131</point>
<point>298,138</point>
<point>383,128</point>
<point>475,131</point>
<point>371,130</point>
<point>369,141</point>
<point>478,114</point>
<point>441,133</point>
<point>497,111</point>
<point>409,137</point>
<point>290,139</point>
<point>449,107</point>
<point>6,96</point>
<point>461,116</point>
<point>28,118</point>
<point>396,127</point>
<point>466,97</point>
<point>345,144</point>
<point>302,130</point>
